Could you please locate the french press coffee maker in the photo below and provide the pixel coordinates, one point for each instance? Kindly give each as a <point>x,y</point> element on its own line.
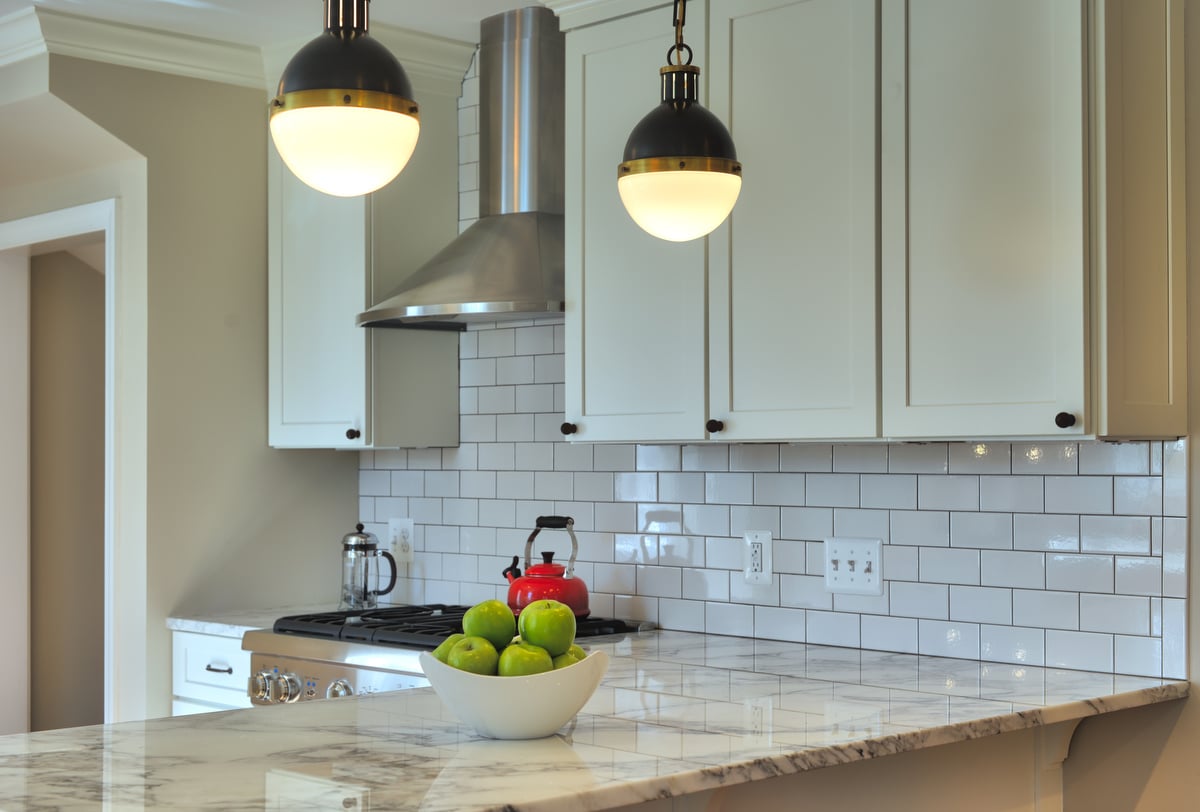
<point>360,570</point>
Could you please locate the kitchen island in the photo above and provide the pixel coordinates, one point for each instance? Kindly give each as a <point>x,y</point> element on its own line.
<point>681,721</point>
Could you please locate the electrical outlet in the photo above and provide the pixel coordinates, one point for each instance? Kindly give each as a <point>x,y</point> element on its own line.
<point>854,566</point>
<point>756,558</point>
<point>400,531</point>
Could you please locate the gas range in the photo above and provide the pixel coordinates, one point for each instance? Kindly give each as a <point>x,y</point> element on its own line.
<point>346,653</point>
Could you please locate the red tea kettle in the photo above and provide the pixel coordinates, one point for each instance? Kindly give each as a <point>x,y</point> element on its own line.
<point>547,580</point>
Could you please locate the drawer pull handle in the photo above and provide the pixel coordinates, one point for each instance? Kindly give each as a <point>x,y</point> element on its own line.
<point>226,670</point>
<point>1064,420</point>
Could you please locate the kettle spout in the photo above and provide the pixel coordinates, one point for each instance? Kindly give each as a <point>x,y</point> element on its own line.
<point>512,572</point>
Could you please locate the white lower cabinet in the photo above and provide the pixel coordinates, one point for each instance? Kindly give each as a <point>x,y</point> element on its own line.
<point>209,673</point>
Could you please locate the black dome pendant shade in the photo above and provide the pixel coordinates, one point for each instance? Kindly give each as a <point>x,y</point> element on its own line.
<point>680,136</point>
<point>344,68</point>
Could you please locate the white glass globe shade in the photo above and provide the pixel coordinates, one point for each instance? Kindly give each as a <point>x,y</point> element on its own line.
<point>344,151</point>
<point>679,205</point>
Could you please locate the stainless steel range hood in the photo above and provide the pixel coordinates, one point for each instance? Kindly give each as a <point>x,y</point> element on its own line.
<point>509,264</point>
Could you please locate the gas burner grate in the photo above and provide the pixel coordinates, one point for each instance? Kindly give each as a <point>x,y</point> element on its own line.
<point>415,626</point>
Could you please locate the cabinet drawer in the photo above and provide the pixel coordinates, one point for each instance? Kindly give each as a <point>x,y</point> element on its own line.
<point>210,669</point>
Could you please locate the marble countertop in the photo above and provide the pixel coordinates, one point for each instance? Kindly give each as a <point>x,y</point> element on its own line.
<point>235,623</point>
<point>677,713</point>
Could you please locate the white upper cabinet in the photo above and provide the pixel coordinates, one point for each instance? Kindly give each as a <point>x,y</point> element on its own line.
<point>1031,277</point>
<point>768,325</point>
<point>960,219</point>
<point>333,384</point>
<point>792,339</point>
<point>635,310</point>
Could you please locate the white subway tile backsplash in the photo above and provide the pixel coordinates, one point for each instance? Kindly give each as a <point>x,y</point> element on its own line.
<point>832,490</point>
<point>1011,494</point>
<point>832,628</point>
<point>992,531</point>
<point>860,459</point>
<point>920,528</point>
<point>1140,575</point>
<point>658,458</point>
<point>1114,458</point>
<point>706,584</point>
<point>806,523</point>
<point>1048,532</point>
<point>939,638</point>
<point>980,458</point>
<point>1079,494</point>
<point>861,523</point>
<point>981,604</point>
<point>953,492</point>
<point>764,457</point>
<point>1045,609</point>
<point>889,633</point>
<point>1086,651</point>
<point>1080,573</point>
<point>729,489</point>
<point>775,623</point>
<point>673,487</point>
<point>1115,534</point>
<point>1117,614</point>
<point>919,600</point>
<point>948,566</point>
<point>1059,553</point>
<point>1012,644</point>
<point>918,458</point>
<point>1012,568</point>
<point>808,457</point>
<point>894,491</point>
<point>1045,458</point>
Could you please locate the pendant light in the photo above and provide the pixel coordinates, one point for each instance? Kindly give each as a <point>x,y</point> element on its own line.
<point>680,176</point>
<point>344,120</point>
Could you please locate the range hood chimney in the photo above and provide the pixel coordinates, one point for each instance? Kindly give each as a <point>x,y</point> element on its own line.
<point>509,264</point>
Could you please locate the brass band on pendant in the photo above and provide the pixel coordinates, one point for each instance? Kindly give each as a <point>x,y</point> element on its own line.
<point>333,97</point>
<point>679,163</point>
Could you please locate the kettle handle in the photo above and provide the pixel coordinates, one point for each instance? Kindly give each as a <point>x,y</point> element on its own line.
<point>392,582</point>
<point>555,523</point>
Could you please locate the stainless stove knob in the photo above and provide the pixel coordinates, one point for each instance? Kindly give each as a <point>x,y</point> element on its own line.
<point>285,688</point>
<point>260,685</point>
<point>339,687</point>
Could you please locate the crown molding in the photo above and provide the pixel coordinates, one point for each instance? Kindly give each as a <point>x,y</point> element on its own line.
<point>578,13</point>
<point>34,31</point>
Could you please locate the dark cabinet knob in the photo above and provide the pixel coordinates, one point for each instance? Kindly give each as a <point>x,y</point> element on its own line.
<point>715,425</point>
<point>1064,420</point>
<point>353,434</point>
<point>568,428</point>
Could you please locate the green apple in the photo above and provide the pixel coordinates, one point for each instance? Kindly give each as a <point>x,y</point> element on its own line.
<point>523,659</point>
<point>549,624</point>
<point>493,620</point>
<point>474,654</point>
<point>565,659</point>
<point>442,651</point>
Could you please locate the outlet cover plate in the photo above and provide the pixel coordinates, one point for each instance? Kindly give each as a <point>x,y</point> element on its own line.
<point>400,537</point>
<point>854,566</point>
<point>757,560</point>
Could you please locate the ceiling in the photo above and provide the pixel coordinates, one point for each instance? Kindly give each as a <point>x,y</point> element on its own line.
<point>266,22</point>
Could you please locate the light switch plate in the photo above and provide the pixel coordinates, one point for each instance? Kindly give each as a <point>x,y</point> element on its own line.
<point>854,566</point>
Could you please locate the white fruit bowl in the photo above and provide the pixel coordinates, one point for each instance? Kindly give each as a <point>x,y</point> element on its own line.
<point>516,707</point>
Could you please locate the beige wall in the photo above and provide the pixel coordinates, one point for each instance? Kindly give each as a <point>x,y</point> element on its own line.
<point>66,389</point>
<point>231,523</point>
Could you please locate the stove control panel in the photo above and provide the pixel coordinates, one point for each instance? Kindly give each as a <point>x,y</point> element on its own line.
<point>281,680</point>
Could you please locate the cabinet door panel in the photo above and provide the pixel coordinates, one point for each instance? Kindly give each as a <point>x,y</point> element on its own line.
<point>318,355</point>
<point>635,311</point>
<point>983,217</point>
<point>793,307</point>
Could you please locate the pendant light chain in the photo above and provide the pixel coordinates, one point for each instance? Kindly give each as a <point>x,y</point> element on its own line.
<point>675,52</point>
